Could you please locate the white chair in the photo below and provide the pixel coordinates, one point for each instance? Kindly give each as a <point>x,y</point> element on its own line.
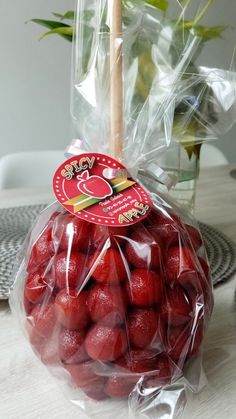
<point>29,169</point>
<point>212,156</point>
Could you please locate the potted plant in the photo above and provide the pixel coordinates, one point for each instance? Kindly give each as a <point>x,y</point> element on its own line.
<point>193,110</point>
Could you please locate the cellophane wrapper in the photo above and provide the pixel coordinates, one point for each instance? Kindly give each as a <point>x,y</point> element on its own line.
<point>118,314</point>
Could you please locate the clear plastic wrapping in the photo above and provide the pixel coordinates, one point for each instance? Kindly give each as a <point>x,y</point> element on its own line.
<point>119,313</point>
<point>167,98</point>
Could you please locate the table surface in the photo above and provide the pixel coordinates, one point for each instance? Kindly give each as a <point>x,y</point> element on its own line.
<point>27,391</point>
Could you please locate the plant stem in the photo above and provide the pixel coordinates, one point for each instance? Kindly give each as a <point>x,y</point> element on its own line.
<point>203,12</point>
<point>187,3</point>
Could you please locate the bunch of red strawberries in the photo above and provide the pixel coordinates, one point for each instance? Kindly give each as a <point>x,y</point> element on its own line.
<point>117,307</point>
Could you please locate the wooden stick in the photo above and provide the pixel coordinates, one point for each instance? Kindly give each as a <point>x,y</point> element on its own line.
<point>116,79</point>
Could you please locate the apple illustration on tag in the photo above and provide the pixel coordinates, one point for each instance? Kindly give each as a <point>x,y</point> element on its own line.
<point>94,186</point>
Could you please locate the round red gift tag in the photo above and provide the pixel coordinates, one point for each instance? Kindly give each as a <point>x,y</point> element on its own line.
<point>98,189</point>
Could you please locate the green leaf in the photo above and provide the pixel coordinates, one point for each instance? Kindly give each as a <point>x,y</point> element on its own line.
<point>209,33</point>
<point>204,32</point>
<point>53,25</point>
<point>70,15</point>
<point>159,4</point>
<point>62,30</point>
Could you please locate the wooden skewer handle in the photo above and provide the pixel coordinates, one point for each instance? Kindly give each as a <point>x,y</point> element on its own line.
<point>116,64</point>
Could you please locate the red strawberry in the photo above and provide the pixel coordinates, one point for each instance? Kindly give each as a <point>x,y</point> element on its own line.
<point>104,343</point>
<point>195,237</point>
<point>72,232</point>
<point>37,286</point>
<point>162,375</point>
<point>142,325</point>
<point>102,233</point>
<point>83,374</point>
<point>42,250</point>
<point>50,352</point>
<point>177,309</point>
<point>96,392</point>
<point>71,346</point>
<point>69,269</point>
<point>198,287</point>
<point>28,306</point>
<point>54,215</point>
<point>179,260</point>
<point>142,251</point>
<point>205,269</point>
<point>138,361</point>
<point>38,342</point>
<point>188,279</point>
<point>108,267</point>
<point>206,287</point>
<point>71,309</point>
<point>108,304</point>
<point>43,320</point>
<point>178,341</point>
<point>166,225</point>
<point>144,288</point>
<point>119,387</point>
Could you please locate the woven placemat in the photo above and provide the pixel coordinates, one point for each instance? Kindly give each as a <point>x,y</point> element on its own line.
<point>14,226</point>
<point>15,223</point>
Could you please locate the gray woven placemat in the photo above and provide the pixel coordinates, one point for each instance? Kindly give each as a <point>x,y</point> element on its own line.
<point>15,223</point>
<point>14,226</point>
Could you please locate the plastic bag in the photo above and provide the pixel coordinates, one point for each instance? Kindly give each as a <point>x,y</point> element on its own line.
<point>116,312</point>
<point>120,312</point>
<point>168,99</point>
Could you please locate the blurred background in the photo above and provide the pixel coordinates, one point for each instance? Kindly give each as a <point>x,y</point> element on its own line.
<point>35,76</point>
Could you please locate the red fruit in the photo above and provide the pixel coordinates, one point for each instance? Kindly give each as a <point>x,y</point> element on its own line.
<point>139,361</point>
<point>71,309</point>
<point>71,346</point>
<point>119,233</point>
<point>179,260</point>
<point>178,341</point>
<point>69,269</point>
<point>104,343</point>
<point>144,288</point>
<point>50,352</point>
<point>72,232</point>
<point>109,267</point>
<point>96,392</point>
<point>162,375</point>
<point>38,342</point>
<point>119,387</point>
<point>102,233</point>
<point>42,250</point>
<point>83,374</point>
<point>188,279</point>
<point>37,286</point>
<point>177,309</point>
<point>167,226</point>
<point>54,215</point>
<point>43,320</point>
<point>28,306</point>
<point>206,287</point>
<point>195,237</point>
<point>205,269</point>
<point>142,251</point>
<point>108,304</point>
<point>142,325</point>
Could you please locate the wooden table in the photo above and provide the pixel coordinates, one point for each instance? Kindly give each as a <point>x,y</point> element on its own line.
<point>27,391</point>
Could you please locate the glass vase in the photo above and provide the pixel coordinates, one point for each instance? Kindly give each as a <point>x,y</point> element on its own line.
<point>184,164</point>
